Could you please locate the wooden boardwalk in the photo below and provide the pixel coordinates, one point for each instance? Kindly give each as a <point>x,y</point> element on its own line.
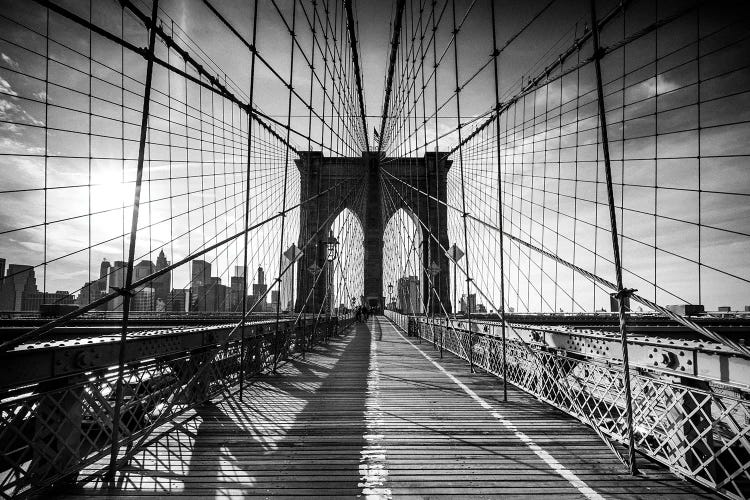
<point>375,415</point>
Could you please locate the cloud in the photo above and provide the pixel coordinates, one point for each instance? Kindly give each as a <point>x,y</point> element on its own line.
<point>9,127</point>
<point>14,113</point>
<point>8,60</point>
<point>10,145</point>
<point>5,87</point>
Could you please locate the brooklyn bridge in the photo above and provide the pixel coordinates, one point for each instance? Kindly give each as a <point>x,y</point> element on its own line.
<point>340,248</point>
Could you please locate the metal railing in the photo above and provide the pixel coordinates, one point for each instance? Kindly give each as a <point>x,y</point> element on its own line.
<point>694,427</point>
<point>55,423</point>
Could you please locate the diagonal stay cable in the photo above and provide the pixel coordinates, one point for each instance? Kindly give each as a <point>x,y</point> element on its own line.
<point>62,320</point>
<point>218,348</point>
<point>688,323</point>
<point>583,414</point>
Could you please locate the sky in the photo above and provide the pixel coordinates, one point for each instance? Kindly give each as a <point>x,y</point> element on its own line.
<point>69,147</point>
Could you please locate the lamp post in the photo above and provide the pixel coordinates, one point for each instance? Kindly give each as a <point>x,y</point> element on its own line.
<point>332,246</point>
<point>390,292</point>
<point>433,271</point>
<point>332,253</point>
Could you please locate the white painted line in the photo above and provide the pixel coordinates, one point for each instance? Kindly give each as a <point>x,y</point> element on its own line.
<point>373,469</point>
<point>556,466</point>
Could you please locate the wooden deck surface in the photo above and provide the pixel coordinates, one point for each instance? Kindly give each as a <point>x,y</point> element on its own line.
<point>373,414</point>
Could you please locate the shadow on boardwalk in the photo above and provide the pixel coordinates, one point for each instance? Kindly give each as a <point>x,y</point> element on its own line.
<point>304,425</point>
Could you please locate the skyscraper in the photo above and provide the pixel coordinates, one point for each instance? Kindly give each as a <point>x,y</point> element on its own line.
<point>237,290</point>
<point>287,285</point>
<point>469,305</point>
<point>117,280</point>
<point>259,289</point>
<point>178,300</point>
<point>145,296</point>
<point>201,273</point>
<point>239,271</point>
<point>19,283</point>
<point>104,269</point>
<point>163,283</point>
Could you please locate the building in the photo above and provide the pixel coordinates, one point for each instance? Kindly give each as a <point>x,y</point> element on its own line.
<point>18,284</point>
<point>116,280</point>
<point>35,300</point>
<point>89,293</point>
<point>178,300</point>
<point>216,295</point>
<point>287,285</point>
<point>239,271</point>
<point>201,272</point>
<point>408,295</point>
<point>260,287</point>
<point>259,290</point>
<point>471,303</point>
<point>236,291</point>
<point>163,283</point>
<point>104,269</point>
<point>143,300</point>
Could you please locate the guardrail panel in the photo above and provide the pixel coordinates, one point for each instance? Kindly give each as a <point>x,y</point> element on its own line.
<point>685,423</point>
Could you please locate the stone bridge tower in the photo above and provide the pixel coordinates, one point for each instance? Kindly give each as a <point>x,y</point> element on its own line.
<point>382,195</point>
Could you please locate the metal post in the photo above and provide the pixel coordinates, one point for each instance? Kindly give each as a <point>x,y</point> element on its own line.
<point>622,293</point>
<point>283,201</point>
<point>455,278</point>
<point>126,291</point>
<point>495,55</point>
<point>464,213</point>
<point>243,347</point>
<point>442,336</point>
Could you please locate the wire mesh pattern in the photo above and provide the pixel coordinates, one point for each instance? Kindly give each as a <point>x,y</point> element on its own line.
<point>670,74</point>
<point>698,433</point>
<point>147,183</point>
<point>568,158</point>
<point>53,429</point>
<point>600,172</point>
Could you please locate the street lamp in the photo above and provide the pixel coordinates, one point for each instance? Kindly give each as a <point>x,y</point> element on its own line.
<point>390,292</point>
<point>331,254</point>
<point>332,247</point>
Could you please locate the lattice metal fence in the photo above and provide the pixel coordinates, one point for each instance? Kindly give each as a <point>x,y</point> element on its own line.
<point>684,423</point>
<point>52,429</point>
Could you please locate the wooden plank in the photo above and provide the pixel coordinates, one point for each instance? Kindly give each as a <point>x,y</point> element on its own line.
<point>369,414</point>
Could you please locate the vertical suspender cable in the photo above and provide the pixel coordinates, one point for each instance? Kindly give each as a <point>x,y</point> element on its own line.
<point>286,178</point>
<point>495,55</point>
<point>463,187</point>
<point>445,290</point>
<point>243,347</point>
<point>395,40</point>
<point>357,73</point>
<point>622,293</point>
<point>126,290</point>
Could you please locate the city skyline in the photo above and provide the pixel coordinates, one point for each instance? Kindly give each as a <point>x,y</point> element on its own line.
<point>19,290</point>
<point>69,141</point>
